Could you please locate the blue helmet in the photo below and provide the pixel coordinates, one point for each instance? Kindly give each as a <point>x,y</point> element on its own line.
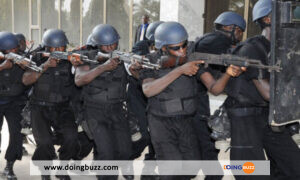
<point>54,38</point>
<point>89,41</point>
<point>8,41</point>
<point>261,9</point>
<point>20,37</point>
<point>104,34</point>
<point>151,30</point>
<point>169,33</point>
<point>231,18</point>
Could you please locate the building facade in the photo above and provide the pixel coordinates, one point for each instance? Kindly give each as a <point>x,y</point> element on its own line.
<point>78,17</point>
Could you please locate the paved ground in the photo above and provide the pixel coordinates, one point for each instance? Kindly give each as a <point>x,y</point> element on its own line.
<point>22,167</point>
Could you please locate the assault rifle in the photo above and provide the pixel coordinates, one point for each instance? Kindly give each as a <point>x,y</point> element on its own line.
<point>68,56</point>
<point>228,59</point>
<point>129,58</point>
<point>21,60</point>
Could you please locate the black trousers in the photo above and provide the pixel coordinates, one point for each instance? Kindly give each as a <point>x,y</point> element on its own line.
<point>251,134</point>
<point>136,104</point>
<point>1,124</point>
<point>110,130</point>
<point>12,113</point>
<point>61,119</point>
<point>206,143</point>
<point>173,138</point>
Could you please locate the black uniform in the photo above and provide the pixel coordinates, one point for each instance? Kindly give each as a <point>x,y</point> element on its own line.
<point>170,117</point>
<point>12,101</point>
<point>248,112</point>
<point>137,103</point>
<point>214,43</point>
<point>50,107</point>
<point>106,117</point>
<point>85,141</point>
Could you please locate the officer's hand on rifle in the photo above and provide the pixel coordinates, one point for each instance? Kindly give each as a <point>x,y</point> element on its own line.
<point>135,65</point>
<point>190,68</point>
<point>23,63</point>
<point>111,64</point>
<point>51,62</point>
<point>7,64</point>
<point>75,60</point>
<point>235,71</point>
<point>134,68</point>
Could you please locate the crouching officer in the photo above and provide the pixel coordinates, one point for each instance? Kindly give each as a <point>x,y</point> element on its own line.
<point>104,91</point>
<point>172,95</point>
<point>50,101</point>
<point>12,94</point>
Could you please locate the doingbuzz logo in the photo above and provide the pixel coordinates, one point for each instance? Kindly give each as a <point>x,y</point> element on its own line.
<point>247,167</point>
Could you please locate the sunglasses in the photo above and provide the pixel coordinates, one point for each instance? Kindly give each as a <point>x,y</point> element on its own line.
<point>176,48</point>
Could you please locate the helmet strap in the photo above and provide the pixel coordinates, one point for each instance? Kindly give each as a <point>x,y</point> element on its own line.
<point>231,34</point>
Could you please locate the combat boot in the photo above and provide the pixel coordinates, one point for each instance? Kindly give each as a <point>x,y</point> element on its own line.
<point>9,172</point>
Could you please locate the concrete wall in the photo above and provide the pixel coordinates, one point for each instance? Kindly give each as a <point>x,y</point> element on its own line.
<point>187,12</point>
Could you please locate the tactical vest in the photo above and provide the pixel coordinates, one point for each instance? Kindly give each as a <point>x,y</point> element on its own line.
<point>242,92</point>
<point>179,98</point>
<point>55,85</point>
<point>11,82</point>
<point>109,87</point>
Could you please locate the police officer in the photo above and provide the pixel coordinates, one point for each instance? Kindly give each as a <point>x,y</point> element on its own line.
<point>11,101</point>
<point>228,31</point>
<point>88,45</point>
<point>137,101</point>
<point>22,50</point>
<point>146,46</point>
<point>22,42</point>
<point>84,138</point>
<point>248,108</point>
<point>172,92</point>
<point>104,91</point>
<point>50,101</point>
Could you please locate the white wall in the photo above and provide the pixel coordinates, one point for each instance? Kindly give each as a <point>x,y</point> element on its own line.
<point>187,12</point>
<point>169,10</point>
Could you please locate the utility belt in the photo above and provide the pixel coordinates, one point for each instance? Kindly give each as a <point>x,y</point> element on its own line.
<point>176,117</point>
<point>173,107</point>
<point>105,97</point>
<point>102,105</point>
<point>44,103</point>
<point>247,111</point>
